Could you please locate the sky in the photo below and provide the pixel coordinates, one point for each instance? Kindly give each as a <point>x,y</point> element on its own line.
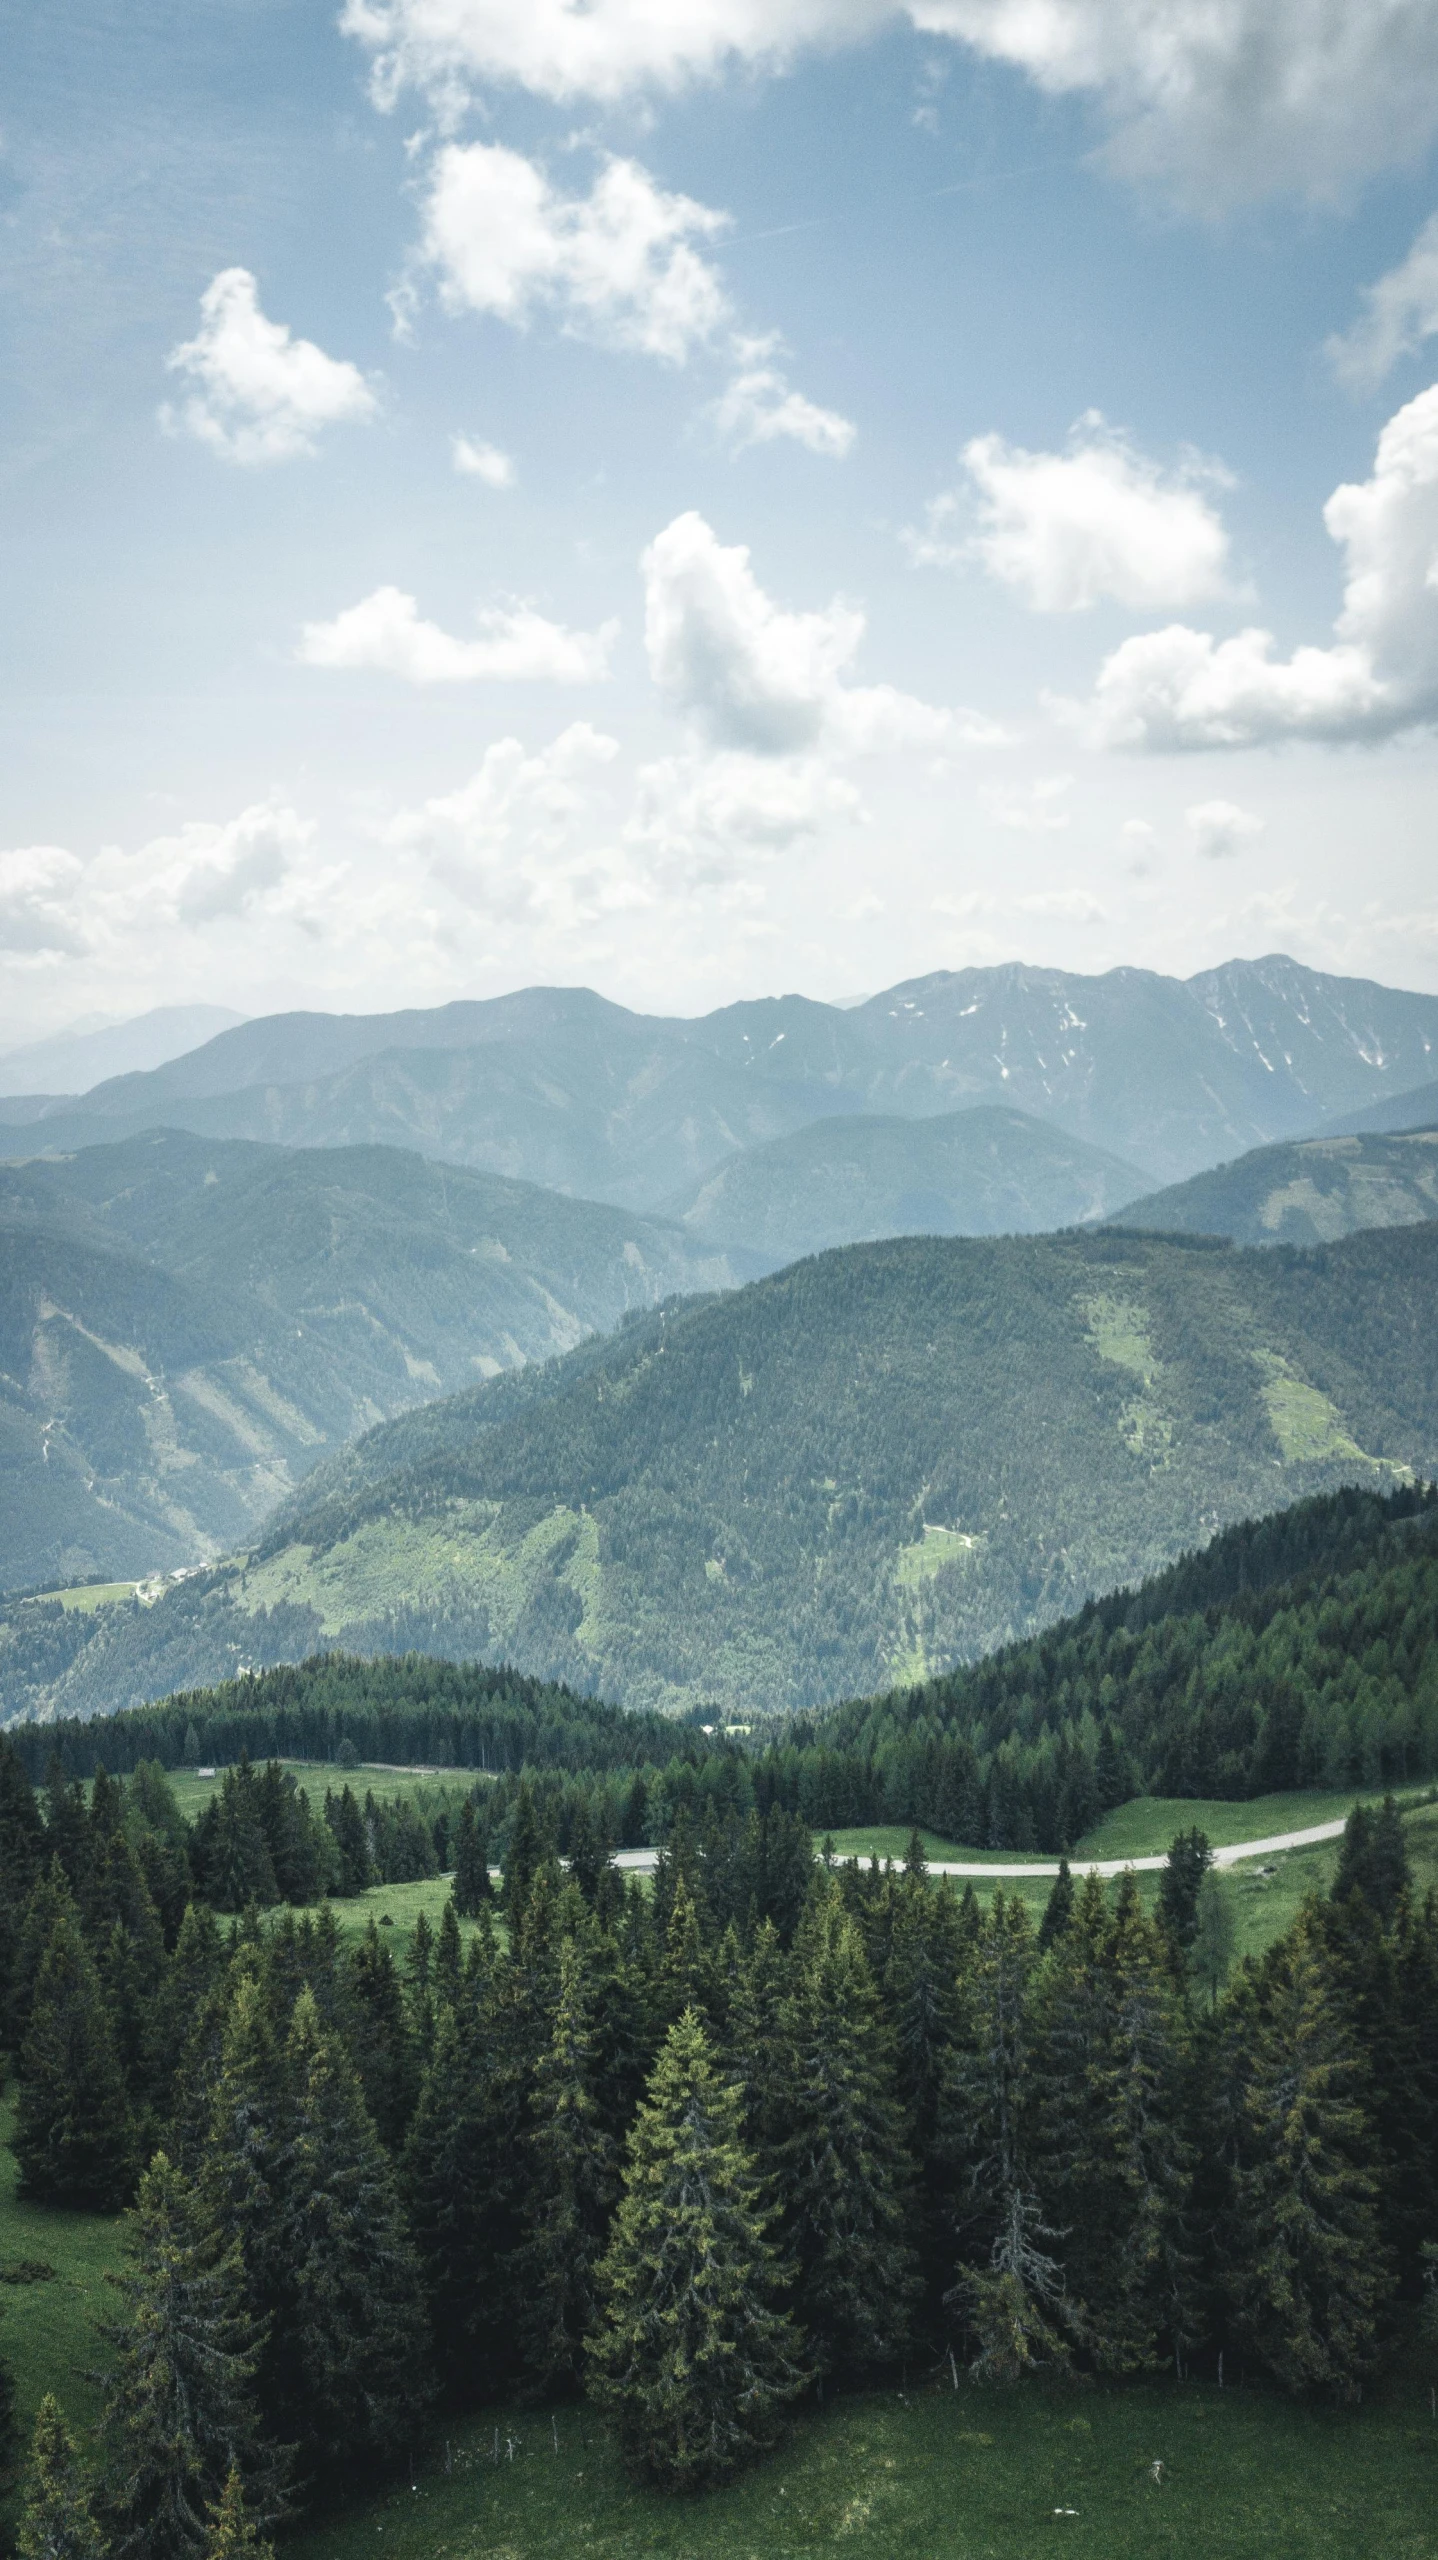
<point>704,499</point>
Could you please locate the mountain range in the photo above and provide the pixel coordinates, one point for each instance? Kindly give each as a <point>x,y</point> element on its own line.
<point>560,1087</point>
<point>872,1465</point>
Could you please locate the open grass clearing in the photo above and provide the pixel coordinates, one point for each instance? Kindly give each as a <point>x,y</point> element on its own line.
<point>944,2475</point>
<point>47,2329</point>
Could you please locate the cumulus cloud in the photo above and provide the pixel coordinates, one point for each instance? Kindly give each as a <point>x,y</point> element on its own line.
<point>704,814</point>
<point>261,395</point>
<point>766,682</point>
<point>1070,530</point>
<point>1214,102</point>
<point>481,840</point>
<point>1220,828</point>
<point>1399,312</point>
<point>759,407</point>
<point>1183,688</point>
<point>618,266</point>
<point>516,645</point>
<point>474,460</point>
<point>37,892</point>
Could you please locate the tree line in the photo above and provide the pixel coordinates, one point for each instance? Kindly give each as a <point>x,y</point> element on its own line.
<point>773,2126</point>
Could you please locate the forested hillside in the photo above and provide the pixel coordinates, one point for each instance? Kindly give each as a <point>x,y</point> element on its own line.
<point>872,1466</point>
<point>1309,1192</point>
<point>186,1325</point>
<point>981,1172</point>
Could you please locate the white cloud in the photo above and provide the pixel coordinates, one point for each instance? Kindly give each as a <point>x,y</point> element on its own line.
<point>1183,688</point>
<point>37,893</point>
<point>1399,312</point>
<point>447,47</point>
<point>618,266</point>
<point>262,395</point>
<point>706,814</point>
<point>209,871</point>
<point>477,461</point>
<point>518,645</point>
<point>764,681</point>
<point>1068,530</point>
<point>481,840</point>
<point>758,407</point>
<point>1220,828</point>
<point>1217,100</point>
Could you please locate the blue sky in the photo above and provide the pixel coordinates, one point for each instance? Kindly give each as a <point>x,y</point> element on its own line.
<point>703,499</point>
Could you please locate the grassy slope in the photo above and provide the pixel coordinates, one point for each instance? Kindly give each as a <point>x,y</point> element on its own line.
<point>47,2330</point>
<point>940,2475</point>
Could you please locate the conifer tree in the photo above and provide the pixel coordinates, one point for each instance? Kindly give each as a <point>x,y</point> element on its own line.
<point>471,1888</point>
<point>233,2533</point>
<point>72,2129</point>
<point>1373,1861</point>
<point>58,2520</point>
<point>1180,1885</point>
<point>1306,2271</point>
<point>179,2408</point>
<point>1215,1935</point>
<point>843,2176</point>
<point>448,1958</point>
<point>382,2045</point>
<point>1058,1910</point>
<point>693,2359</point>
<point>524,1856</point>
<point>461,2184</point>
<point>569,2191</point>
<point>244,2175</point>
<point>353,2352</point>
<point>1008,2292</point>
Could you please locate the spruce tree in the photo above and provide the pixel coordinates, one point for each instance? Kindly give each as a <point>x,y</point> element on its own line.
<point>694,2359</point>
<point>383,2046</point>
<point>472,1887</point>
<point>179,2410</point>
<point>233,2533</point>
<point>1180,1885</point>
<point>244,2175</point>
<point>1058,1910</point>
<point>843,2176</point>
<point>354,2348</point>
<point>58,2520</point>
<point>569,2189</point>
<point>72,2129</point>
<point>461,2183</point>
<point>1215,1935</point>
<point>1306,2270</point>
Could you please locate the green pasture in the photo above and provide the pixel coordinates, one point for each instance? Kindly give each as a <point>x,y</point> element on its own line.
<point>47,2328</point>
<point>429,1791</point>
<point>1156,2471</point>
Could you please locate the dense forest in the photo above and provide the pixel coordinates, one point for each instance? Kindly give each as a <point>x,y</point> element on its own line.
<point>877,1465</point>
<point>698,2152</point>
<point>1298,1650</point>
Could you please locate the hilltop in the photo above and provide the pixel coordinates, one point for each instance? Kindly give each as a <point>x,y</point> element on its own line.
<point>1309,1192</point>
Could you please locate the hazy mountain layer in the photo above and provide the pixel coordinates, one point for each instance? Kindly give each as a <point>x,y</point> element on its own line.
<point>555,1085</point>
<point>985,1171</point>
<point>1308,1193</point>
<point>185,1326</point>
<point>877,1463</point>
<point>72,1061</point>
<point>1415,1110</point>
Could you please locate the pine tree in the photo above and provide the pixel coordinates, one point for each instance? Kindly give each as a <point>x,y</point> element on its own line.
<point>524,1856</point>
<point>382,2044</point>
<point>233,2533</point>
<point>569,2190</point>
<point>244,2176</point>
<point>1215,1935</point>
<point>461,2180</point>
<point>1058,1910</point>
<point>72,2129</point>
<point>1373,1861</point>
<point>472,1887</point>
<point>1008,2292</point>
<point>694,2359</point>
<point>354,2351</point>
<point>179,2408</point>
<point>58,2522</point>
<point>1180,1885</point>
<point>1306,2269</point>
<point>843,2176</point>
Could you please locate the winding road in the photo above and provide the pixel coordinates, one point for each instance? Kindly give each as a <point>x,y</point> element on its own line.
<point>642,1861</point>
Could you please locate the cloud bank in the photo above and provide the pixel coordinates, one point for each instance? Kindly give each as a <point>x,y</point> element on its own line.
<point>1216,101</point>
